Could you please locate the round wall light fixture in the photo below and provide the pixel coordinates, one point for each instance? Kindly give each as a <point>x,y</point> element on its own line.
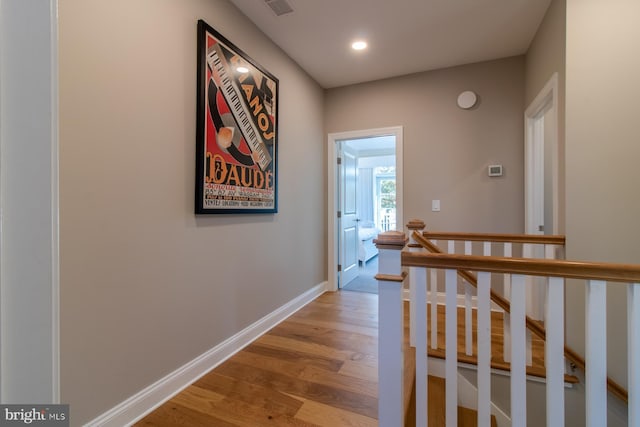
<point>467,99</point>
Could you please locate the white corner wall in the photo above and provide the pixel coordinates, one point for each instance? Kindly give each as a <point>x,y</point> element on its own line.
<point>28,202</point>
<point>602,152</point>
<point>146,286</point>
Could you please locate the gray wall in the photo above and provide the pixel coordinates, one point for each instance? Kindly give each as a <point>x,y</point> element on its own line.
<point>446,149</point>
<point>602,150</point>
<point>145,285</point>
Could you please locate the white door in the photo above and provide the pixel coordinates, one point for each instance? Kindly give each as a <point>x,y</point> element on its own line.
<point>348,216</point>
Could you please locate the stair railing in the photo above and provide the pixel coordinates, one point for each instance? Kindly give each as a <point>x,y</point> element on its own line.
<point>530,246</point>
<point>394,258</point>
<point>552,246</point>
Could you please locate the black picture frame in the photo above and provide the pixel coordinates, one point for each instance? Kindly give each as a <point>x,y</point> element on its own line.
<point>237,130</point>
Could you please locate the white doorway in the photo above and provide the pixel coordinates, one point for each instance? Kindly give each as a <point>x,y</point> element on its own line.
<point>541,161</point>
<point>347,216</point>
<point>541,180</point>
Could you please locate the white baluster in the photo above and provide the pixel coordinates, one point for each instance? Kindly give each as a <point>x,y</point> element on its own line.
<point>550,251</point>
<point>518,352</point>
<point>421,352</point>
<point>633,332</point>
<point>486,249</point>
<point>508,253</point>
<point>532,302</point>
<point>433,295</point>
<point>413,283</point>
<point>433,298</point>
<point>554,352</point>
<point>484,349</point>
<point>596,354</point>
<point>451,247</point>
<point>468,309</point>
<point>417,277</point>
<point>451,348</point>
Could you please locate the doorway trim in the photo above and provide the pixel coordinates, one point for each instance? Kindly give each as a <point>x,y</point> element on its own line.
<point>547,98</point>
<point>332,190</point>
<point>546,102</point>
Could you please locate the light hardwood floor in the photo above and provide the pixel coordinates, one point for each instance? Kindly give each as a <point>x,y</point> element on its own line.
<point>317,368</point>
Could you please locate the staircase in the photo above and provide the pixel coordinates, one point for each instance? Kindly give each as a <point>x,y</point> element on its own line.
<point>472,335</point>
<point>467,417</point>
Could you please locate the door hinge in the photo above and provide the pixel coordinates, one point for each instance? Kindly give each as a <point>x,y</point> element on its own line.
<point>339,267</point>
<point>339,159</point>
<point>339,214</point>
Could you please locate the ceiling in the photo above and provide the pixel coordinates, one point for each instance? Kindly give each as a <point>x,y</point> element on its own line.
<point>404,36</point>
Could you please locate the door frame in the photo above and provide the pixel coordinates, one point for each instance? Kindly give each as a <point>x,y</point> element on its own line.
<point>545,102</point>
<point>546,99</point>
<point>332,191</point>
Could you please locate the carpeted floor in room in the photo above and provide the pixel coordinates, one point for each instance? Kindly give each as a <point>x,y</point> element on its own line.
<point>365,282</point>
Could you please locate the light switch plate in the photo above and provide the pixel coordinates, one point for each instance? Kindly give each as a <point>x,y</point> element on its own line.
<point>435,205</point>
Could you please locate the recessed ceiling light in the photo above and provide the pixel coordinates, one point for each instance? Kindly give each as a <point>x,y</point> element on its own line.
<point>359,45</point>
<point>242,69</point>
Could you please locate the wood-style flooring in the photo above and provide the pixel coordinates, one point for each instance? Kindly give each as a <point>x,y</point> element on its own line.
<point>317,368</point>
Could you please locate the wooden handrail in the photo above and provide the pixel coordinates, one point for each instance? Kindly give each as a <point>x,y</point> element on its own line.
<point>496,237</point>
<point>576,270</point>
<point>530,267</point>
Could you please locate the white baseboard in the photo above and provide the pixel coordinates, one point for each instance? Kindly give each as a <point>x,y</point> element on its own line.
<point>142,403</point>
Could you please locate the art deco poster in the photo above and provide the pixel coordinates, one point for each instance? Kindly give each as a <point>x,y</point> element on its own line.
<point>236,139</point>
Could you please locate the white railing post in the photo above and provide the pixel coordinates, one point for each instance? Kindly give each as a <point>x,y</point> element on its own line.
<point>418,324</point>
<point>633,332</point>
<point>390,329</point>
<point>596,354</point>
<point>417,276</point>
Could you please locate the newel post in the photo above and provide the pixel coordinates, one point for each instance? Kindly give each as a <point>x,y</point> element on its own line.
<point>416,276</point>
<point>390,328</point>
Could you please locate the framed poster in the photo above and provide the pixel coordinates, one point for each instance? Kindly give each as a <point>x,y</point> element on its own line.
<point>237,130</point>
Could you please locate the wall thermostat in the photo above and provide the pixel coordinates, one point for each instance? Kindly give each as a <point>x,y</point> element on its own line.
<point>495,170</point>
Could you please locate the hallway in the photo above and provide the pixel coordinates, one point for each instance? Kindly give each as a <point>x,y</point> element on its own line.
<point>317,368</point>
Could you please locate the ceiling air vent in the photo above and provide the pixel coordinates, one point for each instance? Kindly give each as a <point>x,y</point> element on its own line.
<point>279,7</point>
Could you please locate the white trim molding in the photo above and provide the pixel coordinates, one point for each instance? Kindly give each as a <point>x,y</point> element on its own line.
<point>29,203</point>
<point>332,186</point>
<point>546,99</point>
<point>145,401</point>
